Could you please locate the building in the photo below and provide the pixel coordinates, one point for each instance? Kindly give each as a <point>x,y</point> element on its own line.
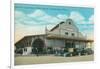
<point>64,35</point>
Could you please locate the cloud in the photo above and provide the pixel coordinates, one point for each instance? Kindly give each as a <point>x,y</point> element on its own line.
<point>76,16</point>
<point>62,16</point>
<point>80,19</point>
<point>49,19</point>
<point>43,17</point>
<point>38,17</point>
<point>37,13</point>
<point>19,14</point>
<point>91,19</point>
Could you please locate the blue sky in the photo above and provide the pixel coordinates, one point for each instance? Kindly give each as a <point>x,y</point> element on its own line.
<point>53,10</point>
<point>38,16</point>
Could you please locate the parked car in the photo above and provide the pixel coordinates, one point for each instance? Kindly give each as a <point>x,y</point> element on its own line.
<point>79,51</point>
<point>67,54</point>
<point>89,51</point>
<point>19,51</point>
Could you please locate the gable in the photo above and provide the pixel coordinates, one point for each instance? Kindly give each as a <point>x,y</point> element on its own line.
<point>66,28</point>
<point>68,24</point>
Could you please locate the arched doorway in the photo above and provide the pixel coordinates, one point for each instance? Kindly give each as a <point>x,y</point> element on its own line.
<point>38,46</point>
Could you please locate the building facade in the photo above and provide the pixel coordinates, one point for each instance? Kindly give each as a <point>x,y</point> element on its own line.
<point>64,35</point>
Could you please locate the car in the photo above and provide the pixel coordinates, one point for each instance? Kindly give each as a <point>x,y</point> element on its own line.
<point>89,51</point>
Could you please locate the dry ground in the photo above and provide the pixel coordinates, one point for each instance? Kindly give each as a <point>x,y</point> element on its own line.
<point>25,60</point>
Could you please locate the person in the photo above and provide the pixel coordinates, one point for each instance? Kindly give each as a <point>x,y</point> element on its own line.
<point>37,53</point>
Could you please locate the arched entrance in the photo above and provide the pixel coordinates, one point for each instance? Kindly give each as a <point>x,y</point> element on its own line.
<point>38,46</point>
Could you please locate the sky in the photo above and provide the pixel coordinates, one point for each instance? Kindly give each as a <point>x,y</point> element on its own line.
<point>32,19</point>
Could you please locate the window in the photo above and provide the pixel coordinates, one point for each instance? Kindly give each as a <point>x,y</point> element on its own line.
<point>69,22</point>
<point>73,34</point>
<point>66,33</point>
